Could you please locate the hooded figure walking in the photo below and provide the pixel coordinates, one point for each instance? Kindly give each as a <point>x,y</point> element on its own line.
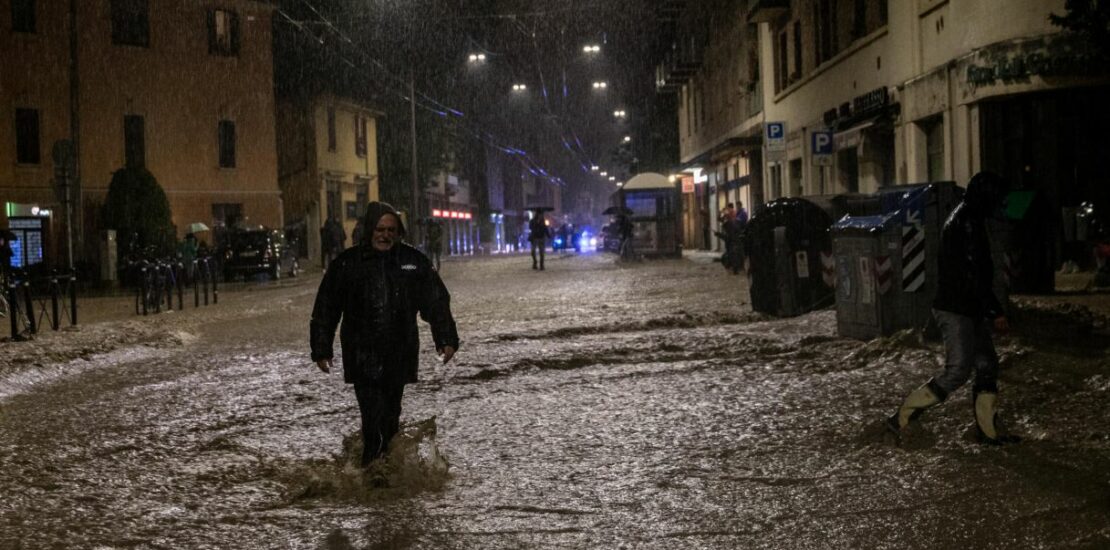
<point>964,307</point>
<point>377,288</point>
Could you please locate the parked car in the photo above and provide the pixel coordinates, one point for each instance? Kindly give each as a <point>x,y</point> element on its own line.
<point>262,250</point>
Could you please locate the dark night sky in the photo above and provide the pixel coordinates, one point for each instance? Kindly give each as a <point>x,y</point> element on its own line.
<point>369,48</point>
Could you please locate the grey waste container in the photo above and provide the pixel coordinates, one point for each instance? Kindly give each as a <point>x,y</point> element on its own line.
<point>885,263</point>
<point>785,241</point>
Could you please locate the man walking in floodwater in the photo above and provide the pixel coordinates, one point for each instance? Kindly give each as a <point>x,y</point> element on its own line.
<point>964,308</point>
<point>377,288</point>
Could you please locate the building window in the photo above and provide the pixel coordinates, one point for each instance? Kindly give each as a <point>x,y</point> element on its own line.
<point>825,19</point>
<point>934,147</point>
<point>352,210</point>
<point>131,22</point>
<point>782,76</point>
<point>227,144</point>
<point>223,33</point>
<point>23,15</point>
<point>360,136</point>
<point>776,181</point>
<point>331,129</point>
<point>134,141</point>
<point>859,19</point>
<point>27,147</point>
<point>797,73</point>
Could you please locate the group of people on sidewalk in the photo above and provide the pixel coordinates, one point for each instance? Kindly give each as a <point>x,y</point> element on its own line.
<point>379,287</point>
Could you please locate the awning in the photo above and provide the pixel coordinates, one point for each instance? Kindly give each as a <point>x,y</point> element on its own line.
<point>851,138</point>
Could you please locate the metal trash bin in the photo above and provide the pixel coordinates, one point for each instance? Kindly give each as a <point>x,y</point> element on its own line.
<point>785,241</point>
<point>885,263</point>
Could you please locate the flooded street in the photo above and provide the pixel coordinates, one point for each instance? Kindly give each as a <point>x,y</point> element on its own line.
<point>590,406</point>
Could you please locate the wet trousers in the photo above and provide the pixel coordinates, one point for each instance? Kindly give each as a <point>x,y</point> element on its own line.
<point>538,247</point>
<point>380,408</point>
<point>967,348</point>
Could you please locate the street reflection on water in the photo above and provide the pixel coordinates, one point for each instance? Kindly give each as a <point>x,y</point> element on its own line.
<point>590,406</point>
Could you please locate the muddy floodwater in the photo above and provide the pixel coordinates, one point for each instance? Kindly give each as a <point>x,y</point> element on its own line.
<point>591,405</point>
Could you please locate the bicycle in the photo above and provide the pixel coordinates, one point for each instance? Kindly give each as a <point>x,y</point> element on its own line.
<point>15,314</point>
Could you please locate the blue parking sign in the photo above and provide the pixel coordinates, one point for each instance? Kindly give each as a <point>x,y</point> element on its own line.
<point>822,143</point>
<point>775,136</point>
<point>776,130</point>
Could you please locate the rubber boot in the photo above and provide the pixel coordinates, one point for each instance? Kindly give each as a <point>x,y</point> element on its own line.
<point>916,402</point>
<point>986,419</point>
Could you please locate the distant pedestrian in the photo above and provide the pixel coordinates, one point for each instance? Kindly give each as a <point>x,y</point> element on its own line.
<point>332,238</point>
<point>434,247</point>
<point>377,289</point>
<point>357,233</point>
<point>964,307</point>
<point>625,234</point>
<point>537,238</point>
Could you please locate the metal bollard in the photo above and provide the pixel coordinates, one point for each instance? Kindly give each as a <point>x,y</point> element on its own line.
<point>215,290</point>
<point>29,300</point>
<point>13,309</point>
<point>55,294</point>
<point>73,300</point>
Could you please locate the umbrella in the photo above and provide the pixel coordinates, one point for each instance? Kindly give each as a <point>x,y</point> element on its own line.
<point>196,227</point>
<point>540,208</point>
<point>614,210</point>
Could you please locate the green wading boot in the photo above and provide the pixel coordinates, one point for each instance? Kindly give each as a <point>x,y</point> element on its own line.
<point>986,422</point>
<point>916,402</point>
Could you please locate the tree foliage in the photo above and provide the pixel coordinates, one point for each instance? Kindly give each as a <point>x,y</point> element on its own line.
<point>137,208</point>
<point>1090,19</point>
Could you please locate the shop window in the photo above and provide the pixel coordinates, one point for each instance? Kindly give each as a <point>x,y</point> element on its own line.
<point>27,147</point>
<point>131,22</point>
<point>227,213</point>
<point>360,136</point>
<point>223,33</point>
<point>796,177</point>
<point>331,129</point>
<point>134,141</point>
<point>227,144</point>
<point>934,147</point>
<point>23,15</point>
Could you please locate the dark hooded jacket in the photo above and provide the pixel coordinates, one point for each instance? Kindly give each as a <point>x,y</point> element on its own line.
<point>378,295</point>
<point>965,272</point>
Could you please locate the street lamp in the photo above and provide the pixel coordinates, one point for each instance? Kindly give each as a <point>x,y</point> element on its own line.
<point>594,168</point>
<point>600,85</point>
<point>477,57</point>
<point>620,114</point>
<point>591,48</point>
<point>612,178</point>
<point>627,139</point>
<point>519,87</point>
<point>603,174</point>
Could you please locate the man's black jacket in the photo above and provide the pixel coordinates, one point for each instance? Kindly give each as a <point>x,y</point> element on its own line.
<point>965,272</point>
<point>378,296</point>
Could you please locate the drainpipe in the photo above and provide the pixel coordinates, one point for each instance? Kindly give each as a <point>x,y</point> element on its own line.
<point>75,202</point>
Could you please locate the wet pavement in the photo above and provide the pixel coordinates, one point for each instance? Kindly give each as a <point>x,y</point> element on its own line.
<point>592,405</point>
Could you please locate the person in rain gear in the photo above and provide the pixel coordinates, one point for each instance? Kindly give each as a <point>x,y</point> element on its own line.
<point>537,237</point>
<point>434,234</point>
<point>624,233</point>
<point>377,288</point>
<point>964,308</point>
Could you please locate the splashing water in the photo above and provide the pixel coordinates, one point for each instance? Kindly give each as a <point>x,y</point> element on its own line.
<point>414,464</point>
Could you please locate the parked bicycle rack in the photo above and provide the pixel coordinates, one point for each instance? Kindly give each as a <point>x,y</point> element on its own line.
<point>159,281</point>
<point>25,318</point>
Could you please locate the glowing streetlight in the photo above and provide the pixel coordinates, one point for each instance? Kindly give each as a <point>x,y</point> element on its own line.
<point>620,114</point>
<point>600,85</point>
<point>519,87</point>
<point>627,139</point>
<point>620,184</point>
<point>603,174</point>
<point>477,57</point>
<point>594,168</point>
<point>592,48</point>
